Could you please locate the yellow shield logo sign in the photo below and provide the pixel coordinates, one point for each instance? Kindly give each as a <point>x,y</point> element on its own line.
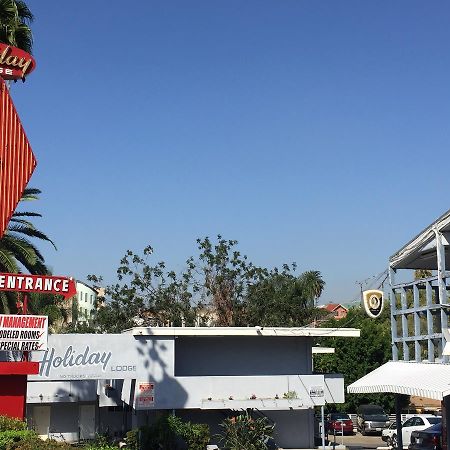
<point>373,303</point>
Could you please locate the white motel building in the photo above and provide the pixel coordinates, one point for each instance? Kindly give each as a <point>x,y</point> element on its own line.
<point>114,382</point>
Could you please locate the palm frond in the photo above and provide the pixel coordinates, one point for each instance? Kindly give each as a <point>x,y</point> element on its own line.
<point>30,192</point>
<point>31,232</point>
<point>22,221</point>
<point>24,13</point>
<point>7,261</point>
<point>26,214</point>
<point>22,250</point>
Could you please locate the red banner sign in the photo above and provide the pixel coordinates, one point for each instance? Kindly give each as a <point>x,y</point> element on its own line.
<point>15,63</point>
<point>38,283</point>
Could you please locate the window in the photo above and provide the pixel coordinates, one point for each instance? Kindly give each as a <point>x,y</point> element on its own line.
<point>85,296</point>
<point>92,298</point>
<point>409,422</point>
<point>419,421</point>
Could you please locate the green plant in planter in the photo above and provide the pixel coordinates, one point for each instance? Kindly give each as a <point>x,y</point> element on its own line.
<point>289,395</point>
<point>245,432</point>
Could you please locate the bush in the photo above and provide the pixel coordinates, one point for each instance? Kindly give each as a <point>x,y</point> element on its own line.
<point>10,439</point>
<point>168,433</point>
<point>132,438</point>
<point>101,443</point>
<point>38,444</point>
<point>245,432</point>
<point>195,435</point>
<point>8,423</point>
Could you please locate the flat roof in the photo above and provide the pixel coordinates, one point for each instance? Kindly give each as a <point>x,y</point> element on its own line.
<point>244,331</point>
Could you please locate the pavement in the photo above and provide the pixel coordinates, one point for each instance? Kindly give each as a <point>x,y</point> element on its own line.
<point>356,442</point>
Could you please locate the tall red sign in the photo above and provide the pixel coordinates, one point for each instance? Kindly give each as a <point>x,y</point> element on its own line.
<point>17,161</point>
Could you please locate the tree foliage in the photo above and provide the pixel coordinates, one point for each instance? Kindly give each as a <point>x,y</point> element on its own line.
<point>246,432</point>
<point>18,253</point>
<point>355,358</point>
<point>219,279</point>
<point>15,20</point>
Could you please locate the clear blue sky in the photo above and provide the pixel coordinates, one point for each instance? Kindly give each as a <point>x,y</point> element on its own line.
<point>310,131</point>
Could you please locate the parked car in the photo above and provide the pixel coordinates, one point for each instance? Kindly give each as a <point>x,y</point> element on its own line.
<point>386,434</point>
<point>428,439</point>
<point>415,423</point>
<point>371,419</point>
<point>339,423</point>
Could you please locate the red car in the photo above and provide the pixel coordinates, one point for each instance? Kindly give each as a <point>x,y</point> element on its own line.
<point>339,423</point>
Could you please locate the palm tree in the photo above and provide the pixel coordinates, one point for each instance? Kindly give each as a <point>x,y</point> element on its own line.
<point>15,20</point>
<point>17,252</point>
<point>311,285</point>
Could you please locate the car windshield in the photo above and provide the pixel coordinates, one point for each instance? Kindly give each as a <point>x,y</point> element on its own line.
<point>434,420</point>
<point>373,411</point>
<point>376,416</point>
<point>339,417</point>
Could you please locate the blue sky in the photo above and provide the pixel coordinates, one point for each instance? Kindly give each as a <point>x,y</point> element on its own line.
<point>309,131</point>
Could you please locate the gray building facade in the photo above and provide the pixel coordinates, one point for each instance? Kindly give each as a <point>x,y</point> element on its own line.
<point>97,383</point>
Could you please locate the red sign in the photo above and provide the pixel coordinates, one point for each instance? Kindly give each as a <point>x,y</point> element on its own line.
<point>15,63</point>
<point>38,283</point>
<point>17,161</point>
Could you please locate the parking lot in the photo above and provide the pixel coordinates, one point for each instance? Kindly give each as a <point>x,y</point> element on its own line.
<point>357,441</point>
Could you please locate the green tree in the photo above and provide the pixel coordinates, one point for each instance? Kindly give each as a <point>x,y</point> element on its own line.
<point>147,294</point>
<point>284,300</point>
<point>234,290</point>
<point>15,20</point>
<point>17,251</point>
<point>226,278</point>
<point>355,358</point>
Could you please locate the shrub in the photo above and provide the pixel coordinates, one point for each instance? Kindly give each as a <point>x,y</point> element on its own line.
<point>9,439</point>
<point>195,435</point>
<point>167,433</point>
<point>8,423</point>
<point>38,444</point>
<point>245,432</point>
<point>132,438</point>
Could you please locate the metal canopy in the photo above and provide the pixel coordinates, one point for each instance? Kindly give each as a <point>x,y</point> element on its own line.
<point>427,380</point>
<point>420,252</point>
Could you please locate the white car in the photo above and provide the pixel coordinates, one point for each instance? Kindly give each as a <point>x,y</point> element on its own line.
<point>416,422</point>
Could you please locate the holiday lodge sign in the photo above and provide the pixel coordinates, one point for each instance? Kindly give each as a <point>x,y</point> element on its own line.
<point>15,63</point>
<point>23,333</point>
<point>38,283</point>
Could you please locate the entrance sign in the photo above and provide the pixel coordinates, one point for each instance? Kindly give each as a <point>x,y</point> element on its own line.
<point>17,161</point>
<point>38,283</point>
<point>15,63</point>
<point>144,397</point>
<point>23,333</point>
<point>87,357</point>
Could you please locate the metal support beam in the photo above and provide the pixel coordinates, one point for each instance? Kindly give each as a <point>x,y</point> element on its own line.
<point>440,251</point>
<point>393,314</point>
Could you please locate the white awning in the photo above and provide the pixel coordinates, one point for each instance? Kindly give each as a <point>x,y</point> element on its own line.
<point>430,380</point>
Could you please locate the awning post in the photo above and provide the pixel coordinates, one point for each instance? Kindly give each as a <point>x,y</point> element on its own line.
<point>445,422</point>
<point>398,419</point>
